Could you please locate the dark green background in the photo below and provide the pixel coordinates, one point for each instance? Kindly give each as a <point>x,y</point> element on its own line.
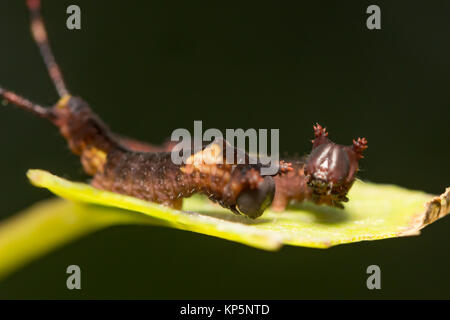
<point>148,67</point>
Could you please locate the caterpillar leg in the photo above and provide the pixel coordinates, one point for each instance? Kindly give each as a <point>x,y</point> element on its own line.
<point>177,204</point>
<point>280,202</point>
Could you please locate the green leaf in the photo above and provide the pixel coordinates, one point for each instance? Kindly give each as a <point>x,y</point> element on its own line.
<point>374,211</point>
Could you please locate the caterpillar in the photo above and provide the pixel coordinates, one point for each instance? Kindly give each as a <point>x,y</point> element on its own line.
<point>148,175</point>
<point>324,176</point>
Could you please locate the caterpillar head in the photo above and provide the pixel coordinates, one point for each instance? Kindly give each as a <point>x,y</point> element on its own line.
<point>331,168</point>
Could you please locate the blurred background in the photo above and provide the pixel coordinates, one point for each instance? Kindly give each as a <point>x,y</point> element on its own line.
<point>150,67</point>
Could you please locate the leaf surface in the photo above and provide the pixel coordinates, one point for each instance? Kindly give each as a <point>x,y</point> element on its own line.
<point>375,211</point>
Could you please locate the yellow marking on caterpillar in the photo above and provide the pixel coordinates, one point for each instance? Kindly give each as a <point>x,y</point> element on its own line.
<point>93,160</point>
<point>203,160</point>
<point>212,154</point>
<point>62,103</point>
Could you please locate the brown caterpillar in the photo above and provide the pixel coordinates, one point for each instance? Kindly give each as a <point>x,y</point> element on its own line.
<point>147,175</point>
<point>324,176</point>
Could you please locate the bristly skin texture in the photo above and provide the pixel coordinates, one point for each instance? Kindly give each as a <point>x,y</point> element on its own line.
<point>324,176</point>
<point>145,174</point>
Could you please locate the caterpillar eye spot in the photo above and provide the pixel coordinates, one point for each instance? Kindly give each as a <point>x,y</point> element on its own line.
<point>253,202</point>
